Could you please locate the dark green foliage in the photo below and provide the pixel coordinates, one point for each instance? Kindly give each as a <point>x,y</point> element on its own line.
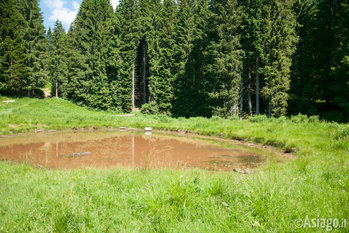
<point>151,108</point>
<point>57,65</point>
<point>14,59</point>
<point>49,36</point>
<point>36,45</point>
<point>92,66</point>
<point>319,72</point>
<point>223,62</point>
<point>161,44</point>
<point>23,46</point>
<point>254,33</point>
<point>129,33</point>
<point>186,57</point>
<point>279,44</point>
<point>340,67</point>
<point>191,97</point>
<point>269,39</point>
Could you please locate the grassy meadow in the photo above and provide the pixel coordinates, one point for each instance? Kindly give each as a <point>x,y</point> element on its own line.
<point>275,198</point>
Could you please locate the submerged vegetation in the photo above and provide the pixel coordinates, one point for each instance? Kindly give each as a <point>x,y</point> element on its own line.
<point>272,199</point>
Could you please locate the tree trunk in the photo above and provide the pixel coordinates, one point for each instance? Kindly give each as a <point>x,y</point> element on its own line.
<point>249,93</point>
<point>241,97</point>
<point>133,86</point>
<point>56,88</point>
<point>269,109</point>
<point>144,78</point>
<point>257,86</point>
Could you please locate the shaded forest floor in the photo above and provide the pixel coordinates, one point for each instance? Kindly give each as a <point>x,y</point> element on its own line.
<point>273,199</point>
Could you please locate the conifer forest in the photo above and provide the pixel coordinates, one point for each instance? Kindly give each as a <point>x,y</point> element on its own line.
<point>184,58</point>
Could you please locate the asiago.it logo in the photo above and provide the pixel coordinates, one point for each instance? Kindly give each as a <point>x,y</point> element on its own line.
<point>328,224</point>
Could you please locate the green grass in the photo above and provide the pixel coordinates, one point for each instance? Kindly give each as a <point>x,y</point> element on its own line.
<point>120,200</point>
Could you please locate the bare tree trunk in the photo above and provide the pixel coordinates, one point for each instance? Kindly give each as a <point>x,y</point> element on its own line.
<point>249,93</point>
<point>250,107</point>
<point>144,78</point>
<point>269,109</point>
<point>56,88</point>
<point>241,97</point>
<point>257,86</point>
<point>133,86</point>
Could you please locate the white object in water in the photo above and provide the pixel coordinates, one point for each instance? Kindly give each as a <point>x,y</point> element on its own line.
<point>122,128</point>
<point>147,132</point>
<point>148,129</point>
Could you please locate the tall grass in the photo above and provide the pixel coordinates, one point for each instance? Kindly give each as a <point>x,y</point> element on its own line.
<point>316,184</point>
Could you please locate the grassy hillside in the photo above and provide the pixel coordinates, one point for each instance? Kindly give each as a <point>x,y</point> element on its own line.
<point>316,184</point>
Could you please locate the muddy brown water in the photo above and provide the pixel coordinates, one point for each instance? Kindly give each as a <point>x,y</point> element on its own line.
<point>132,150</point>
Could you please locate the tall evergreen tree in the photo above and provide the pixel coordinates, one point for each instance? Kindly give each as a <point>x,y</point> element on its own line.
<point>49,36</point>
<point>340,67</point>
<point>161,44</point>
<point>58,61</point>
<point>90,40</point>
<point>254,33</point>
<point>280,44</point>
<point>127,14</point>
<point>268,40</point>
<point>13,56</point>
<point>191,99</point>
<point>36,44</point>
<point>319,84</point>
<point>223,66</point>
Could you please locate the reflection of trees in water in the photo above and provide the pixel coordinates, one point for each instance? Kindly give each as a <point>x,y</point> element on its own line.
<point>156,151</point>
<point>135,150</point>
<point>33,153</point>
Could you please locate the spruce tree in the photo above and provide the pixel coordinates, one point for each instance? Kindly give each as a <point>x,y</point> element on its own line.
<point>161,44</point>
<point>36,44</point>
<point>127,15</point>
<point>254,34</point>
<point>340,67</point>
<point>280,44</point>
<point>319,76</point>
<point>184,43</point>
<point>90,43</point>
<point>191,98</point>
<point>58,61</point>
<point>303,83</point>
<point>224,55</point>
<point>13,56</point>
<point>269,39</point>
<point>48,37</point>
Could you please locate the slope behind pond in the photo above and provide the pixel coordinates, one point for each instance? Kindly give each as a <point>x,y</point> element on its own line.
<point>100,149</point>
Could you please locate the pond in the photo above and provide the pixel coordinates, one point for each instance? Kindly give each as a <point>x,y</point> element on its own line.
<point>135,150</point>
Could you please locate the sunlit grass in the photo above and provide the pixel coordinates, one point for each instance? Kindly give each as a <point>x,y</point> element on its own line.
<point>120,200</point>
